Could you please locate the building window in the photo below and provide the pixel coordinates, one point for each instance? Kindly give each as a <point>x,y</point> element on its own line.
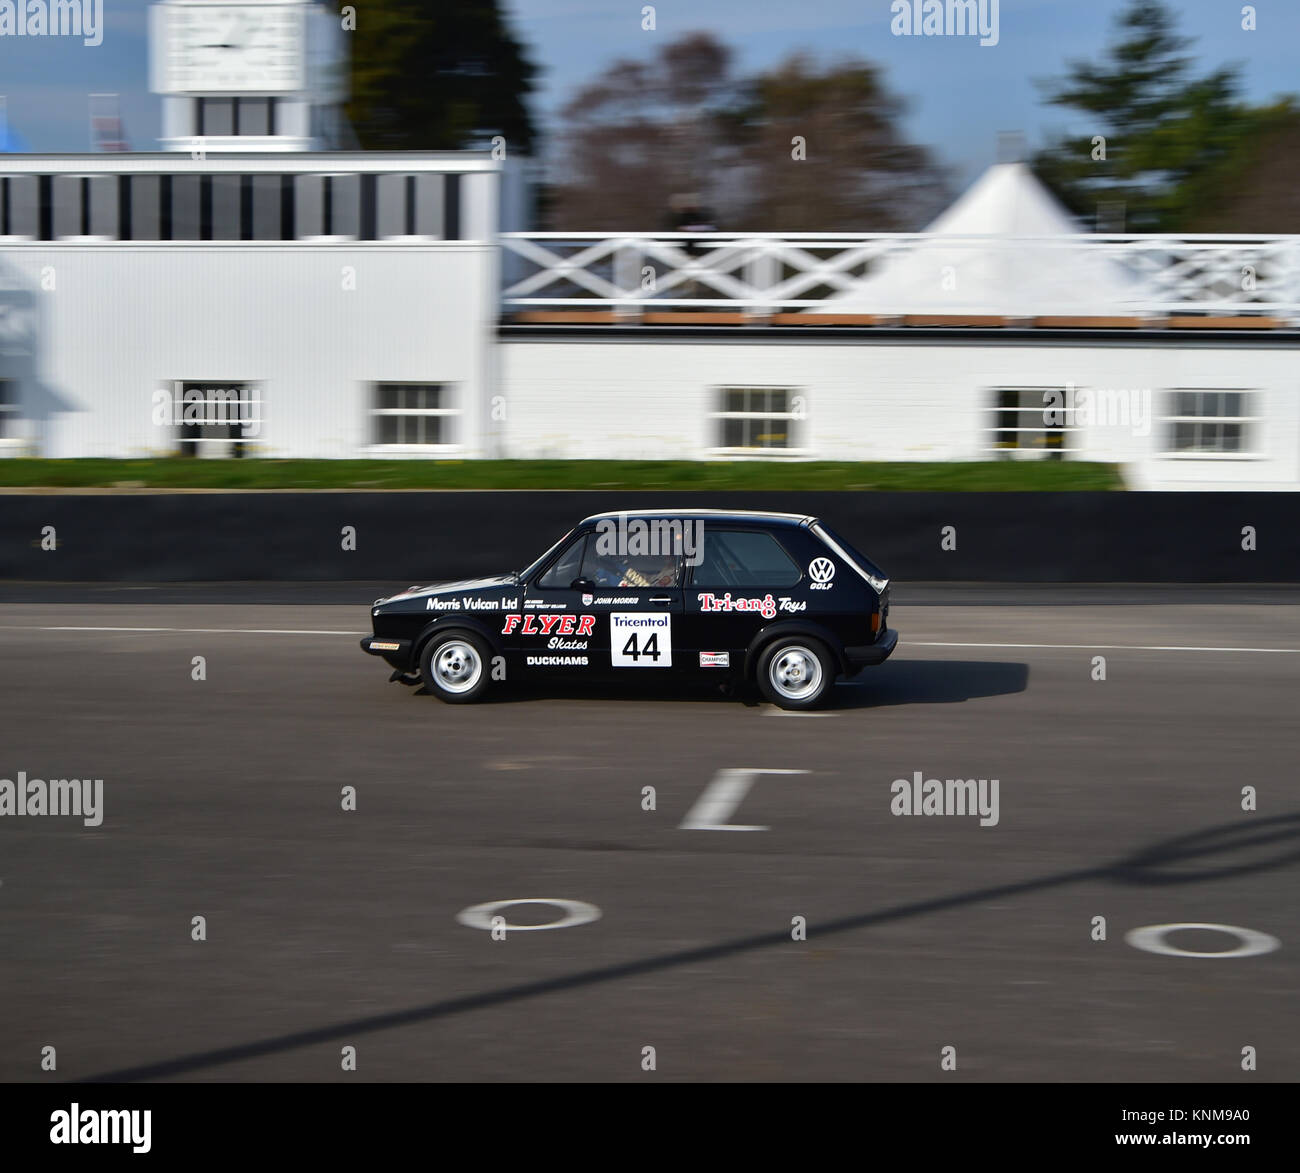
<point>215,116</point>
<point>410,205</point>
<point>756,419</point>
<point>187,202</point>
<point>9,408</point>
<point>1209,423</point>
<point>413,415</point>
<point>224,117</point>
<point>218,418</point>
<point>20,206</point>
<point>254,116</point>
<point>85,205</point>
<point>1032,422</point>
<point>327,205</point>
<point>221,205</point>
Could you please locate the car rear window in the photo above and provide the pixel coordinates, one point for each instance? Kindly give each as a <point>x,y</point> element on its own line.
<point>744,558</point>
<point>852,551</point>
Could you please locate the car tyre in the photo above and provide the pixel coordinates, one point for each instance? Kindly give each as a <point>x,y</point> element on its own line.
<point>795,672</point>
<point>456,666</point>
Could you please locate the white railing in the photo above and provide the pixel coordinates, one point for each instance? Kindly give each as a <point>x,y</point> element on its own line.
<point>759,274</point>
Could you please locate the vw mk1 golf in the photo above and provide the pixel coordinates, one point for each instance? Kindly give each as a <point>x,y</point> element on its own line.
<point>774,599</point>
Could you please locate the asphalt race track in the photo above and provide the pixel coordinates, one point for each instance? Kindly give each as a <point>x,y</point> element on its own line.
<point>1118,798</point>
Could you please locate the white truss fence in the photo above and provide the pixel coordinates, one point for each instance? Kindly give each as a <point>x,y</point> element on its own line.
<point>764,273</point>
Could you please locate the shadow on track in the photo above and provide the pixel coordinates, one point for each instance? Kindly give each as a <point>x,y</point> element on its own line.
<point>1186,859</point>
<point>903,682</point>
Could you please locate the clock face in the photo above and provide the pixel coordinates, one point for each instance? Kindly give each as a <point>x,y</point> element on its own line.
<point>232,48</point>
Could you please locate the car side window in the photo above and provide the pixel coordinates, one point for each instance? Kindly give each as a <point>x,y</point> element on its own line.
<point>630,570</point>
<point>744,558</point>
<point>566,567</point>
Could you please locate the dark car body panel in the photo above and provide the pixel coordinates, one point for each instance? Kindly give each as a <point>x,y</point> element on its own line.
<point>713,622</point>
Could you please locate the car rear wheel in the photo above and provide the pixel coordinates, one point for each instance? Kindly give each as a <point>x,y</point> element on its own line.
<point>455,667</point>
<point>795,672</point>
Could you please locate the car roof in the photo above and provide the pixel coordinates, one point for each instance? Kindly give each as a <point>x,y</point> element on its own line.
<point>717,515</point>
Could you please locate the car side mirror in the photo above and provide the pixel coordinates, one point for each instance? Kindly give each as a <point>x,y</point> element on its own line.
<point>582,584</point>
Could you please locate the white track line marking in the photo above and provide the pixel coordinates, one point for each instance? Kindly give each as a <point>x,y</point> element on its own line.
<point>721,797</point>
<point>921,643</point>
<point>189,630</point>
<point>793,713</point>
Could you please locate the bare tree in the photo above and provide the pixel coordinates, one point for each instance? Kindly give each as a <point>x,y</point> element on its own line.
<point>644,132</point>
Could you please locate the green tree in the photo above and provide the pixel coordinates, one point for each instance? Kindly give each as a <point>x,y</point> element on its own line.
<point>438,76</point>
<point>1167,133</point>
<point>1257,186</point>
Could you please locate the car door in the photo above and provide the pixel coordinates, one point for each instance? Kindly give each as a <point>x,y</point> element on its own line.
<point>636,598</point>
<point>744,579</point>
<point>622,610</point>
<point>551,633</point>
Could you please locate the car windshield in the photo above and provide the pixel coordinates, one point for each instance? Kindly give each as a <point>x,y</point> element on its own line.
<point>526,575</point>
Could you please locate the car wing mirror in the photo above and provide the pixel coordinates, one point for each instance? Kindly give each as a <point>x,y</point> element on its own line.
<point>582,584</point>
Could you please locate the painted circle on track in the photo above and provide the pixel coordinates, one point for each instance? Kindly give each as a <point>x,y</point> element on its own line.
<point>576,912</point>
<point>1151,938</point>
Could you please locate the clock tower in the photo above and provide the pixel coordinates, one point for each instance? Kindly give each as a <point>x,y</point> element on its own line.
<point>247,76</point>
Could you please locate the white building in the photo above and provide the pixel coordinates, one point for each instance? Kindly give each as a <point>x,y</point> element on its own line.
<point>252,292</point>
<point>345,301</point>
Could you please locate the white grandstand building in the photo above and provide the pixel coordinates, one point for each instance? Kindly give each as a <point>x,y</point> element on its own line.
<point>260,288</point>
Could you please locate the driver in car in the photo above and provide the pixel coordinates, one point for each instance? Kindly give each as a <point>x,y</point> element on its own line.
<point>640,572</point>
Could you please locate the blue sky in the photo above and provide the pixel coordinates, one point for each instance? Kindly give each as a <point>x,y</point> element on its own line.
<point>960,94</point>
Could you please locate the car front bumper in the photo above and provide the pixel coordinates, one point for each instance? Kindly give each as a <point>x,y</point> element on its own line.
<point>396,651</point>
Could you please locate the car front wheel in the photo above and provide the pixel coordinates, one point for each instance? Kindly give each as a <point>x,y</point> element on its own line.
<point>796,672</point>
<point>454,667</point>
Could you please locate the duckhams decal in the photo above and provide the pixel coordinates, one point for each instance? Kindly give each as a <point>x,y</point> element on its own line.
<point>549,624</point>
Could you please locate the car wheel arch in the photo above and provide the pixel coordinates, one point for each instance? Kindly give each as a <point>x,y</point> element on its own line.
<point>789,628</point>
<point>450,623</point>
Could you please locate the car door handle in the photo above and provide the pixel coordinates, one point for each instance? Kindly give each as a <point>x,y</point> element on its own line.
<point>662,599</point>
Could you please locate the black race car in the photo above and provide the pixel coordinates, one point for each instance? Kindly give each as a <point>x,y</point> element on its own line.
<point>772,598</point>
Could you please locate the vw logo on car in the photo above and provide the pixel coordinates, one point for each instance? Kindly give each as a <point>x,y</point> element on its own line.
<point>822,573</point>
